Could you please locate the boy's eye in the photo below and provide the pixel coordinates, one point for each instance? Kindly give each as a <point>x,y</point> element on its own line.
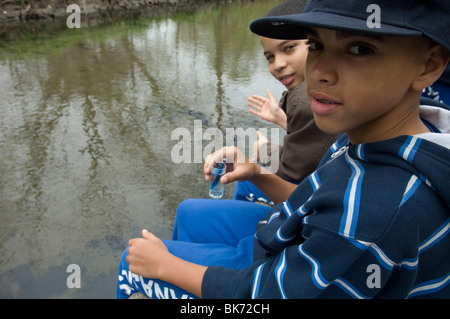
<point>289,48</point>
<point>360,50</point>
<point>314,45</point>
<point>269,58</point>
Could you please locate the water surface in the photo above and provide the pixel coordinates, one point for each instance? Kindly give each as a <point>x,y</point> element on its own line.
<point>85,137</point>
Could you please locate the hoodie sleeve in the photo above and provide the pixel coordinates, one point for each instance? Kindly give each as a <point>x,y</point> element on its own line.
<point>226,283</point>
<point>389,247</point>
<point>324,266</point>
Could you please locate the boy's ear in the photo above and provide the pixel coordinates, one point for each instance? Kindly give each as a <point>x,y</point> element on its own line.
<point>436,58</point>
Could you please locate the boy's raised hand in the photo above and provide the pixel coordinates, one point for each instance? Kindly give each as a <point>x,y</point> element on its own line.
<point>267,109</point>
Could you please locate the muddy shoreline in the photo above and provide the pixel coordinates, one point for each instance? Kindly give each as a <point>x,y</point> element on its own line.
<point>34,16</point>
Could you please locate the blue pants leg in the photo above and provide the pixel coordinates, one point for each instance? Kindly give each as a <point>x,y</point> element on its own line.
<point>246,191</point>
<point>216,221</point>
<point>206,232</point>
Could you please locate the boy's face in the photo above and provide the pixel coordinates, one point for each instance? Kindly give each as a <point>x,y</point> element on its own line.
<point>286,60</point>
<point>361,85</point>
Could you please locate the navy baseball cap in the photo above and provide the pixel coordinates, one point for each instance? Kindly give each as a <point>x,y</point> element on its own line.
<point>403,18</point>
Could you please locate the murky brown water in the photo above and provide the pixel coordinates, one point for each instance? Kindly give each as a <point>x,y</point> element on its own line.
<point>85,138</point>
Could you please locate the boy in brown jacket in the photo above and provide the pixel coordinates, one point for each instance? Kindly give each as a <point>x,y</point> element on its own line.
<point>304,143</point>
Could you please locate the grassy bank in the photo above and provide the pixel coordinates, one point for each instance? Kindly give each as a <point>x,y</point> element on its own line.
<point>25,16</point>
<point>25,10</point>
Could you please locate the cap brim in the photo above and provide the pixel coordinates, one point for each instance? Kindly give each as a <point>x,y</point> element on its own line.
<point>294,26</point>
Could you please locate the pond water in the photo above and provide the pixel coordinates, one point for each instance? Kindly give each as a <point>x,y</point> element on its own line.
<point>86,137</point>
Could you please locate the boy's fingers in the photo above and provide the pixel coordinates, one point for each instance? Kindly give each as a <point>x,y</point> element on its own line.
<point>147,235</point>
<point>258,100</point>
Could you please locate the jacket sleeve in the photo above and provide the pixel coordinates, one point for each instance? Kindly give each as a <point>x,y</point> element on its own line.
<point>326,265</point>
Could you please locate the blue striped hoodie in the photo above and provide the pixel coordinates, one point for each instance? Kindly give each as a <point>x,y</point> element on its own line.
<point>372,222</point>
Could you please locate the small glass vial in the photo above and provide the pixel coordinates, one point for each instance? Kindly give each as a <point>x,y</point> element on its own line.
<point>215,187</point>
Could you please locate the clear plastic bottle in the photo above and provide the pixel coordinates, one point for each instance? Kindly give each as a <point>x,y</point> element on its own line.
<point>215,187</point>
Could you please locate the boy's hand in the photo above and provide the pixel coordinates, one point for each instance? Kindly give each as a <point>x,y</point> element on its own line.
<point>261,140</point>
<point>267,109</point>
<point>147,255</point>
<point>150,258</point>
<point>239,167</point>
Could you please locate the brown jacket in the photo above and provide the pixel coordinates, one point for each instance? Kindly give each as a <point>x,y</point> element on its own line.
<point>304,144</point>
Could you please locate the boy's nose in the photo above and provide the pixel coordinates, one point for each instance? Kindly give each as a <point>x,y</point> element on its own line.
<point>322,70</point>
<point>279,63</point>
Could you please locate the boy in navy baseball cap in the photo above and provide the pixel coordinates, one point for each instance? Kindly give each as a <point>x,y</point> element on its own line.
<point>402,18</point>
<point>373,221</point>
<point>381,32</point>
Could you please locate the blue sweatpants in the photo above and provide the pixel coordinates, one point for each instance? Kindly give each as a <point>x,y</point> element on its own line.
<point>206,232</point>
<point>247,191</point>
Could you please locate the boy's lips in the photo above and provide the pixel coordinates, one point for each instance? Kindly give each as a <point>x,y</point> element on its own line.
<point>323,104</point>
<point>286,80</point>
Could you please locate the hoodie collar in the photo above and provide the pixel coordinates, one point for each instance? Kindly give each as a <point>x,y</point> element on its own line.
<point>440,119</point>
